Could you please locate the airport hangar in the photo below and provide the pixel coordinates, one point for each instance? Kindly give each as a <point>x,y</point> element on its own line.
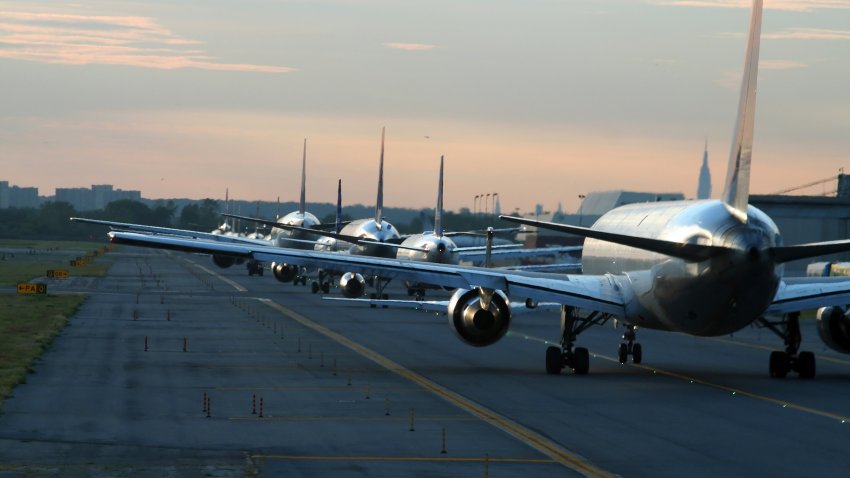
<point>800,219</point>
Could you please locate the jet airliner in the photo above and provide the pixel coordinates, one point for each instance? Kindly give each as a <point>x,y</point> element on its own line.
<point>704,267</point>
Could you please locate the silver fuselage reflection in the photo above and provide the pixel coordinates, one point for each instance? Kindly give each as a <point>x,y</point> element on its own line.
<point>713,297</point>
<point>431,248</point>
<point>280,236</point>
<point>366,229</point>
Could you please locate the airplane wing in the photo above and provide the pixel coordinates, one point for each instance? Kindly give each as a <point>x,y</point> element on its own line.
<point>796,294</point>
<point>476,254</point>
<point>126,226</point>
<point>598,293</point>
<point>439,306</point>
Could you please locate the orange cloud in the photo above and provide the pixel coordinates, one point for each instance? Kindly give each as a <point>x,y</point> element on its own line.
<point>107,40</point>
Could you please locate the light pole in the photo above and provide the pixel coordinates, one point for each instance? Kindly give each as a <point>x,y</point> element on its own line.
<point>580,207</point>
<point>486,204</point>
<point>475,206</point>
<point>494,203</point>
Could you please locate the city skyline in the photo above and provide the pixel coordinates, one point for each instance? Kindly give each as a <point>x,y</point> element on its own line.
<point>541,102</point>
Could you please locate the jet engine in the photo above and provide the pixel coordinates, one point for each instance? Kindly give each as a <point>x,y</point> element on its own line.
<point>834,328</point>
<point>284,272</point>
<point>352,285</point>
<point>223,261</point>
<point>477,324</point>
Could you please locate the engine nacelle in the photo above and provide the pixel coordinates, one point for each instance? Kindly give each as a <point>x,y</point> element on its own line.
<point>834,328</point>
<point>284,272</point>
<point>474,324</point>
<point>353,285</point>
<point>223,261</point>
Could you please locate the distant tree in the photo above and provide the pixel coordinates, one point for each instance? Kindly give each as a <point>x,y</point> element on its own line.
<point>331,218</point>
<point>164,215</point>
<point>200,217</point>
<point>127,210</point>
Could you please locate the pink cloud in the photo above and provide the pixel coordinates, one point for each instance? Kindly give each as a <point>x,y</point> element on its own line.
<point>790,5</point>
<point>409,46</point>
<point>106,40</point>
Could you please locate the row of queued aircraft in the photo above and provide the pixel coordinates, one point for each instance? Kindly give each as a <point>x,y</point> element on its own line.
<point>698,267</point>
<point>372,237</point>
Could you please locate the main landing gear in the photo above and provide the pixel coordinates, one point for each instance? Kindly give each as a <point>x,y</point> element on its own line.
<point>380,285</point>
<point>323,283</point>
<point>781,363</point>
<point>576,358</point>
<point>629,347</point>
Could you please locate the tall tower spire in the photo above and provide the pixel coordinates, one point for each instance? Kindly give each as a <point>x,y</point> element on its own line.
<point>704,187</point>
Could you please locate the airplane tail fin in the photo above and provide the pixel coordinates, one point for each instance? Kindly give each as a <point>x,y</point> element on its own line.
<point>737,187</point>
<point>438,213</point>
<point>379,204</point>
<point>302,205</point>
<point>338,226</point>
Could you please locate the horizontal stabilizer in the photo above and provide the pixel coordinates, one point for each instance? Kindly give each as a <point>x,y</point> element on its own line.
<point>685,251</point>
<point>271,223</point>
<point>805,251</point>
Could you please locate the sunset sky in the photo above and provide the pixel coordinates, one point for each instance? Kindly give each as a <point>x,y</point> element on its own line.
<point>539,101</point>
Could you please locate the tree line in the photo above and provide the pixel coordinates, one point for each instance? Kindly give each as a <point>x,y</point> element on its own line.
<point>50,221</point>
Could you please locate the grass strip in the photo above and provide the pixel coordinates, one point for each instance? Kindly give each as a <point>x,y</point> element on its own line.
<point>28,325</point>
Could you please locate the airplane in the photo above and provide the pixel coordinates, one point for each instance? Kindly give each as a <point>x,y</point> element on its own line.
<point>434,246</point>
<point>227,232</point>
<point>438,246</point>
<point>698,267</point>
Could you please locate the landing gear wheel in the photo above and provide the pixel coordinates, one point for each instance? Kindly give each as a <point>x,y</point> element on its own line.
<point>419,296</point>
<point>581,361</point>
<point>326,287</point>
<point>623,353</point>
<point>314,287</point>
<point>554,360</point>
<point>385,297</point>
<point>806,365</point>
<point>637,353</point>
<point>778,364</point>
<point>372,297</point>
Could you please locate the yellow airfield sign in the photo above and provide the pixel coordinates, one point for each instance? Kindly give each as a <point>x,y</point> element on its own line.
<point>57,273</point>
<point>28,288</point>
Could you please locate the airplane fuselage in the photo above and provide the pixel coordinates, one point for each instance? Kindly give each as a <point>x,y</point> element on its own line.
<point>295,218</point>
<point>439,250</point>
<point>714,297</point>
<point>366,229</point>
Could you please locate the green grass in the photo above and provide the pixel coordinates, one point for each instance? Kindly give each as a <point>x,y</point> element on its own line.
<point>32,259</point>
<point>28,325</point>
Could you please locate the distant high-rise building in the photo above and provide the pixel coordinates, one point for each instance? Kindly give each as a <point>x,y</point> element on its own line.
<point>704,187</point>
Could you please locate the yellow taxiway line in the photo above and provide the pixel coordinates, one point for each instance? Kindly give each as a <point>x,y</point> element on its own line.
<point>230,282</point>
<point>533,439</point>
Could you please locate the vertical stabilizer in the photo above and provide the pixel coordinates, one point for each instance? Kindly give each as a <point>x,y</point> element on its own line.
<point>379,204</point>
<point>736,192</point>
<point>338,225</point>
<point>438,213</point>
<point>302,205</point>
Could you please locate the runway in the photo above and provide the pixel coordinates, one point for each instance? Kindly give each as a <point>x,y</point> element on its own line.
<point>352,391</point>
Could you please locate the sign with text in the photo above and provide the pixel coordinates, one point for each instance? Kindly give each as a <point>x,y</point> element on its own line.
<point>57,274</point>
<point>27,288</point>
